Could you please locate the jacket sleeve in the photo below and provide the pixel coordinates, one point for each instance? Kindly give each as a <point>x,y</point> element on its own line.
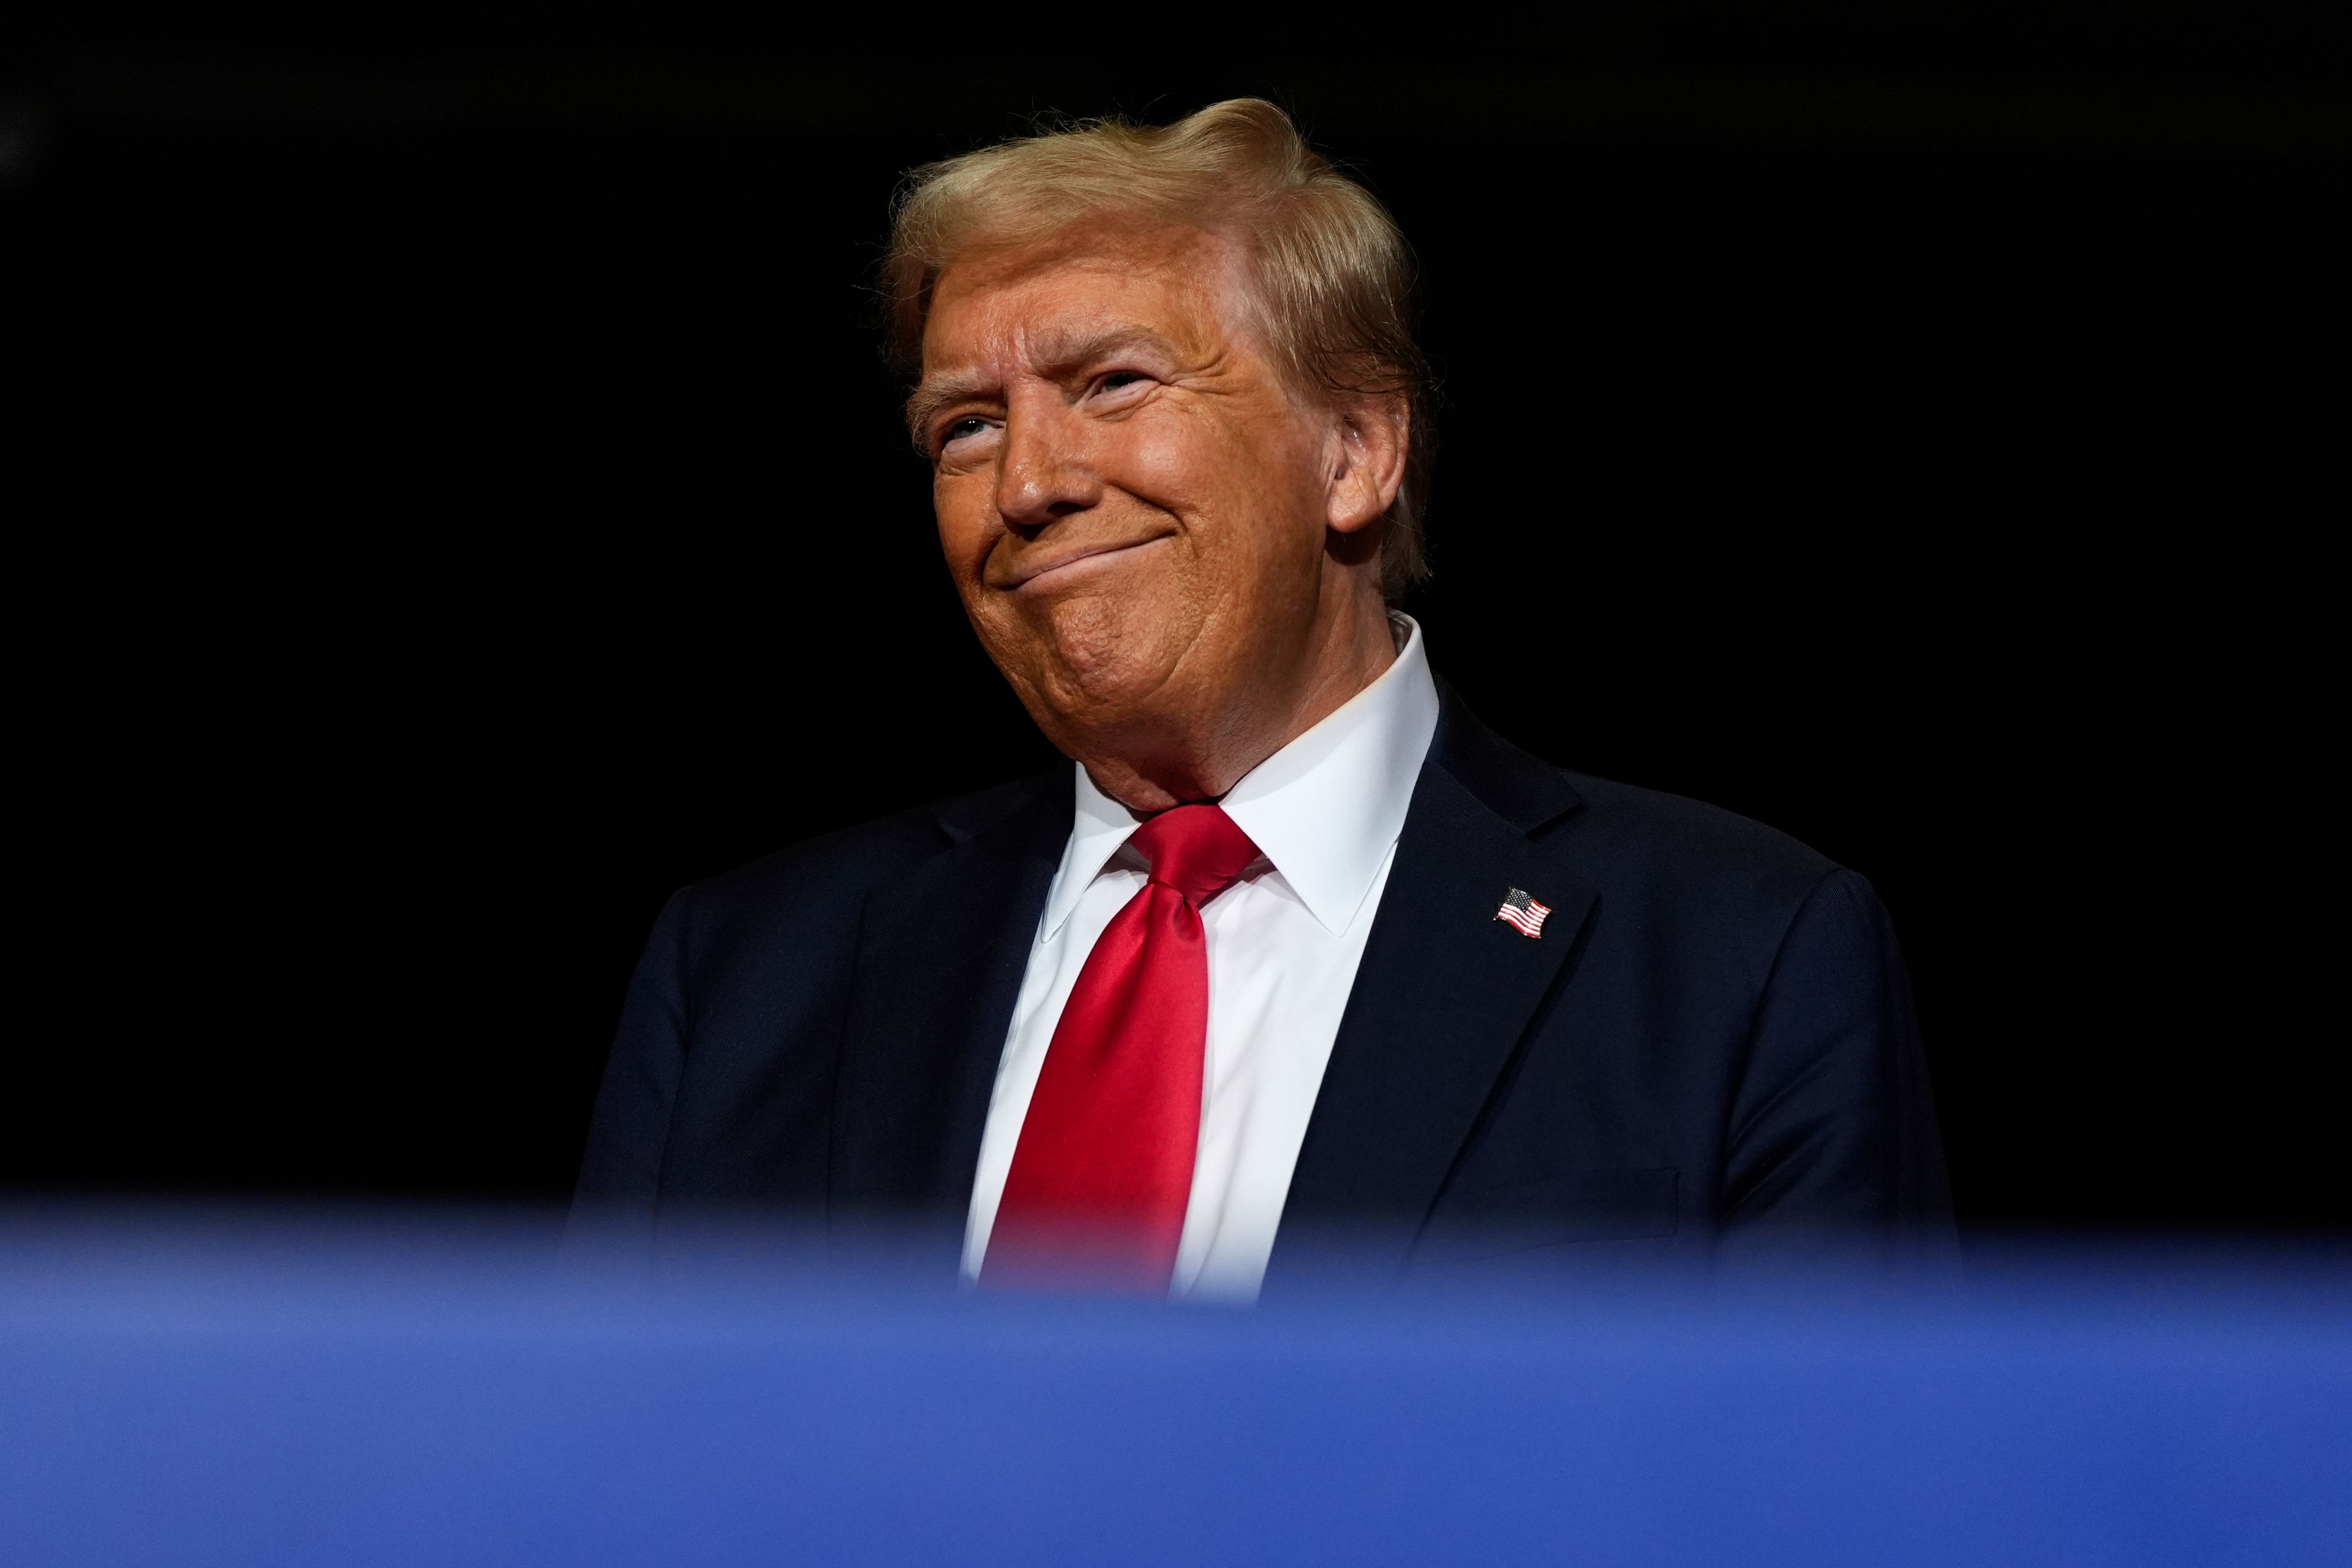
<point>1832,1132</point>
<point>621,1171</point>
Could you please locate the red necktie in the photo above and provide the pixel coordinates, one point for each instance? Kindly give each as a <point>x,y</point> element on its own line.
<point>1104,1169</point>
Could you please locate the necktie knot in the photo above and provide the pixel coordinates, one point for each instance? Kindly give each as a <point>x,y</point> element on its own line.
<point>1196,849</point>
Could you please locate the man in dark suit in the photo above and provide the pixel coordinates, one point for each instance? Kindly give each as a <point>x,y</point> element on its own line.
<point>1297,946</point>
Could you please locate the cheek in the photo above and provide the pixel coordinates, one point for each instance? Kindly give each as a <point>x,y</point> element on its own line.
<point>1172,458</point>
<point>1218,472</point>
<point>963,506</point>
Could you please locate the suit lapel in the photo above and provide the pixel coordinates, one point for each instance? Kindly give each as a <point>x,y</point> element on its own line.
<point>941,954</point>
<point>1442,996</point>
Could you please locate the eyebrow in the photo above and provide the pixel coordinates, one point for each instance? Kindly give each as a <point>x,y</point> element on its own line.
<point>923,405</point>
<point>1053,352</point>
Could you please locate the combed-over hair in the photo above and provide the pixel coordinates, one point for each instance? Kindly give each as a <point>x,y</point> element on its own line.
<point>1333,274</point>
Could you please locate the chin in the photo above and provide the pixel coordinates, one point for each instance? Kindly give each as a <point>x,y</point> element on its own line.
<point>1101,661</point>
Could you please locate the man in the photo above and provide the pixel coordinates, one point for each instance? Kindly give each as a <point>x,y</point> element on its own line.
<point>1298,947</point>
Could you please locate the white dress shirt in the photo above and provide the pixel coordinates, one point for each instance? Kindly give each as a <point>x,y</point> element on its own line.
<point>1284,942</point>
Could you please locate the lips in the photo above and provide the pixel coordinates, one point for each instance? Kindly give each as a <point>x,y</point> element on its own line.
<point>1031,569</point>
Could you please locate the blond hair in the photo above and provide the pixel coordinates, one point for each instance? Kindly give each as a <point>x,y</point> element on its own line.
<point>1333,274</point>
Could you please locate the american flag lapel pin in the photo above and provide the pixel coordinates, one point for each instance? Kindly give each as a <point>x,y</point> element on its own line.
<point>1524,914</point>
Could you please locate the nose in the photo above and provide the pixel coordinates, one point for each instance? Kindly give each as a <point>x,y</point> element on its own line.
<point>1043,475</point>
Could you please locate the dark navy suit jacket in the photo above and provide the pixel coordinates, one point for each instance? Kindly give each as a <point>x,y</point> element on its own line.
<point>1712,1041</point>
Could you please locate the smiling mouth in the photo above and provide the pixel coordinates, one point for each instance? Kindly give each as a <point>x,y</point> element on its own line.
<point>1027,576</point>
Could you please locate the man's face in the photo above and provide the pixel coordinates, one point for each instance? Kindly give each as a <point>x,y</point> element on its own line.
<point>1133,504</point>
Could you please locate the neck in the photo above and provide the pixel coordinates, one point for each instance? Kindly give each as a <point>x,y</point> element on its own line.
<point>1204,759</point>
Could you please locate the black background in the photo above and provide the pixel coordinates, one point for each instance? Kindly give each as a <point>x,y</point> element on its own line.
<point>458,501</point>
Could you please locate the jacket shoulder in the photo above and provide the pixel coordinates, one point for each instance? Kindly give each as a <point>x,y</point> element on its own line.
<point>1669,842</point>
<point>1665,850</point>
<point>847,864</point>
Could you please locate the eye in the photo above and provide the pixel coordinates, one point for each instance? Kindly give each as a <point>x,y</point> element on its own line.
<point>963,429</point>
<point>1120,380</point>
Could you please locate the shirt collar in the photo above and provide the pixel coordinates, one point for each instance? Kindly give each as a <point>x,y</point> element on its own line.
<point>1324,809</point>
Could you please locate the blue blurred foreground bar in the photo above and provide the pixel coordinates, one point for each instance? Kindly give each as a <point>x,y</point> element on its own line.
<point>259,1392</point>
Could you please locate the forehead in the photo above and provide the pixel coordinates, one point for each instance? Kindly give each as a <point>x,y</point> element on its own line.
<point>1030,304</point>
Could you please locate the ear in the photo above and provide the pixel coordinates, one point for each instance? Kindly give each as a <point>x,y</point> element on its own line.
<point>1366,455</point>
